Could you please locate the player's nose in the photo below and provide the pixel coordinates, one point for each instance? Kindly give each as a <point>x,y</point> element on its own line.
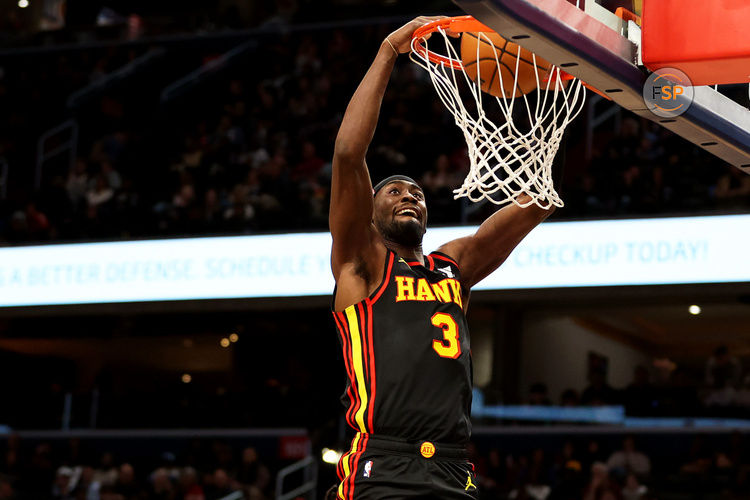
<point>409,197</point>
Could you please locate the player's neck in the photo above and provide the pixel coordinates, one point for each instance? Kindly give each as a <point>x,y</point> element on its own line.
<point>406,252</point>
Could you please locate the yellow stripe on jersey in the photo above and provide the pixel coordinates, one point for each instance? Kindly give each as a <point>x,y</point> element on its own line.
<point>351,315</point>
<point>345,460</point>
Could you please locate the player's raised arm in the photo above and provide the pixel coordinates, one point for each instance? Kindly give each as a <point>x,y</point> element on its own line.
<point>480,254</point>
<point>355,240</point>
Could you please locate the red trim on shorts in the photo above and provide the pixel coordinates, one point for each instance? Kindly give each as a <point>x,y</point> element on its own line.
<point>361,449</point>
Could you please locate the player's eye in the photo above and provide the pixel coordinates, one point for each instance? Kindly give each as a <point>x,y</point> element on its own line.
<point>418,195</point>
<point>394,190</point>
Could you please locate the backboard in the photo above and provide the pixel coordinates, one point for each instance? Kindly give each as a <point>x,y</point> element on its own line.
<point>604,51</point>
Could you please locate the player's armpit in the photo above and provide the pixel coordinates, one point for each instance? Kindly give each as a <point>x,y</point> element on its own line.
<point>483,252</point>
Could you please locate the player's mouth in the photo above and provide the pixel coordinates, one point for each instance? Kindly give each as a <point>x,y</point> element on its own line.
<point>409,212</point>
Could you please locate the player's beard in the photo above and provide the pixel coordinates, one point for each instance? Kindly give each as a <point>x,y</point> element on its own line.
<point>407,233</point>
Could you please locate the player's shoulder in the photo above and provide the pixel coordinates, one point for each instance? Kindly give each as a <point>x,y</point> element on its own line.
<point>443,263</point>
<point>440,257</point>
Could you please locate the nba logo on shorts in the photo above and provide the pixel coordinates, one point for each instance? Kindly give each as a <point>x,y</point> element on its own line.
<point>368,468</point>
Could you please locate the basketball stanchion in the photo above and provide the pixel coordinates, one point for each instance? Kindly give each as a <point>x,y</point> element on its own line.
<point>488,80</point>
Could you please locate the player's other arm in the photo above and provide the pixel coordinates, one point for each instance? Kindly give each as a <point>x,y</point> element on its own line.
<point>480,254</point>
<point>358,254</point>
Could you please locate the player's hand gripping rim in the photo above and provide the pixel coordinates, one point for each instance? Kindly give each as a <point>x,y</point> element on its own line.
<point>400,40</point>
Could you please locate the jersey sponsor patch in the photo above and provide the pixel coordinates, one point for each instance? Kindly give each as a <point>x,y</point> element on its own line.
<point>368,468</point>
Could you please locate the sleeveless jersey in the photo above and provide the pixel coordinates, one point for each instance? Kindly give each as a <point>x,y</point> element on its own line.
<point>407,355</point>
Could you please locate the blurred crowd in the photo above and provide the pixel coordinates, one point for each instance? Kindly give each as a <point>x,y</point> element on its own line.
<point>249,149</point>
<point>579,467</point>
<point>585,468</point>
<point>664,390</point>
<point>209,470</point>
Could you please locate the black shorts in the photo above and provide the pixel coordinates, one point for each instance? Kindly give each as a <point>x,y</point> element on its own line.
<point>378,468</point>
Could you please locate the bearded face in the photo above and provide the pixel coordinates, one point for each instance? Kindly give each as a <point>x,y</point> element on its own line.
<point>401,213</point>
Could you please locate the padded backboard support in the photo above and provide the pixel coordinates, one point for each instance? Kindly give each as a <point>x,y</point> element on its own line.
<point>586,48</point>
<point>707,40</point>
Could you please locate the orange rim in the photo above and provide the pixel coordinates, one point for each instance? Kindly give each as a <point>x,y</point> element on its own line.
<point>461,24</point>
<point>458,24</point>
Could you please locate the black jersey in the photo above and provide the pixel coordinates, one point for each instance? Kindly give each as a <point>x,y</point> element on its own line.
<point>407,355</point>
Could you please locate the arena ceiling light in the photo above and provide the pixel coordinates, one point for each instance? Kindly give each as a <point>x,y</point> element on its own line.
<point>694,309</point>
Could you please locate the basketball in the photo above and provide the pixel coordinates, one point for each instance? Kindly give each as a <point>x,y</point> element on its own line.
<point>484,60</point>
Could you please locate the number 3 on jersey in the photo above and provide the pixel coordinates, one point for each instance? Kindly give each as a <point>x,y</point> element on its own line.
<point>450,346</point>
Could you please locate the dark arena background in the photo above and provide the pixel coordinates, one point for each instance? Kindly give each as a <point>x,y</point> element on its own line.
<point>165,325</point>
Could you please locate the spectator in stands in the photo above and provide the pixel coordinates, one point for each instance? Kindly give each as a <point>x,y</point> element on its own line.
<point>190,488</point>
<point>742,398</point>
<point>733,190</point>
<point>252,472</point>
<point>87,487</point>
<point>42,470</point>
<point>100,194</point>
<point>37,224</point>
<point>492,476</point>
<point>106,473</point>
<point>600,486</point>
<point>10,460</point>
<point>723,369</point>
<point>161,486</point>
<point>569,397</point>
<point>699,457</point>
<point>126,484</point>
<point>592,454</point>
<point>598,392</point>
<point>679,397</point>
<point>240,213</point>
<point>629,460</point>
<point>6,489</point>
<point>78,182</point>
<point>221,485</point>
<point>723,374</point>
<point>640,396</point>
<point>633,489</point>
<point>310,164</point>
<point>538,395</point>
<point>62,488</point>
<point>568,477</point>
<point>112,176</point>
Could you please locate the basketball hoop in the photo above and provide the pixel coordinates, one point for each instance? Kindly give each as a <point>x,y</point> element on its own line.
<point>506,159</point>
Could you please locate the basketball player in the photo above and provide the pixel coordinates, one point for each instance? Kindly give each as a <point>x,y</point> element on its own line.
<point>400,314</point>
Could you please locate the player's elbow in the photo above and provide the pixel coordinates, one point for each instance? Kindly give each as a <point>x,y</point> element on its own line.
<point>348,150</point>
<point>343,149</point>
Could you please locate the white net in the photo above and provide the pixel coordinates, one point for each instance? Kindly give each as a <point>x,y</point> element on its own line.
<point>507,158</point>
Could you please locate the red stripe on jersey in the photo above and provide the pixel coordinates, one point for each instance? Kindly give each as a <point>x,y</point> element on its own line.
<point>445,258</point>
<point>432,262</point>
<point>353,394</point>
<point>386,277</point>
<point>365,347</point>
<point>373,377</point>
